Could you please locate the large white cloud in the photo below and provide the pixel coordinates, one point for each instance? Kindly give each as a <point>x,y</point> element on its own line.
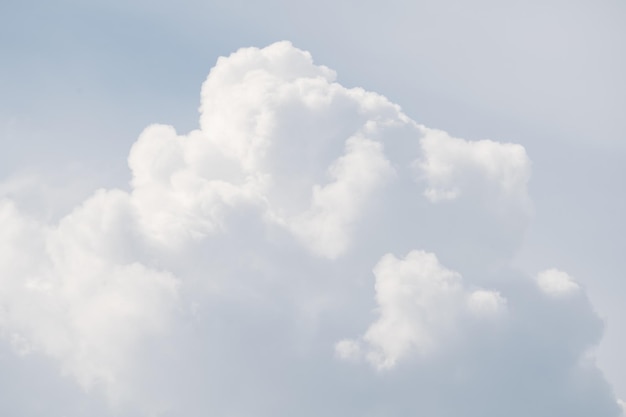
<point>222,281</point>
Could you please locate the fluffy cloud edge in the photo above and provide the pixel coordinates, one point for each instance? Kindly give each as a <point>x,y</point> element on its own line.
<point>421,304</point>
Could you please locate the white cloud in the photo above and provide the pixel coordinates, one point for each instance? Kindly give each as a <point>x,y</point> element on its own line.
<point>277,133</point>
<point>556,283</point>
<point>324,227</point>
<point>242,253</point>
<point>348,349</point>
<point>421,305</point>
<point>453,167</point>
<point>75,293</point>
<point>485,303</point>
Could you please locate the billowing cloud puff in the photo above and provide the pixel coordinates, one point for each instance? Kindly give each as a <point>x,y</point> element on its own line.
<point>421,305</point>
<point>556,283</point>
<point>277,133</point>
<point>76,292</point>
<point>454,167</point>
<point>227,278</point>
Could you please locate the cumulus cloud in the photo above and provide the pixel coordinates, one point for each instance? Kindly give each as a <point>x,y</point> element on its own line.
<point>239,265</point>
<point>453,167</point>
<point>421,305</point>
<point>74,292</point>
<point>556,283</point>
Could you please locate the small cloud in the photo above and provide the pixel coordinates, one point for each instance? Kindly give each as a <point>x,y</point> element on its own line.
<point>485,303</point>
<point>453,167</point>
<point>348,349</point>
<point>421,304</point>
<point>556,283</point>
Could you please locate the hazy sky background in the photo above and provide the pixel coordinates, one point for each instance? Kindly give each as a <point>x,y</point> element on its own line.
<point>79,82</point>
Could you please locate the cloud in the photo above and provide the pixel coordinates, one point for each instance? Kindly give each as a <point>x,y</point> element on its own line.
<point>556,283</point>
<point>241,256</point>
<point>325,226</point>
<point>421,305</point>
<point>453,167</point>
<point>74,292</point>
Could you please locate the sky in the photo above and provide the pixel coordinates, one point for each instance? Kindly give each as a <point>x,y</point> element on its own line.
<point>276,208</point>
